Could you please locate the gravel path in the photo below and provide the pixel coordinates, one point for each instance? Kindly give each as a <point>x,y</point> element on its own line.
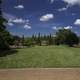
<point>40,74</point>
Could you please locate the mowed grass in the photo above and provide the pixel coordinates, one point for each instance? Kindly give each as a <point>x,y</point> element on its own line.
<point>42,57</point>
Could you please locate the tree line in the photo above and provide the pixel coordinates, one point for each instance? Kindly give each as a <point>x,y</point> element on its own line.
<point>62,37</point>
<point>34,40</point>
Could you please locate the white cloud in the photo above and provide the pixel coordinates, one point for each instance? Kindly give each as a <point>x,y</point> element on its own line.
<point>62,9</point>
<point>19,21</point>
<point>10,24</point>
<point>51,1</point>
<point>56,28</point>
<point>77,22</point>
<point>12,20</point>
<point>46,17</point>
<point>68,27</point>
<point>72,2</point>
<point>26,26</point>
<point>19,7</point>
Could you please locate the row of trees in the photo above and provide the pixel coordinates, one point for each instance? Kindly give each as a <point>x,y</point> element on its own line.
<point>40,40</point>
<point>62,37</point>
<point>34,40</point>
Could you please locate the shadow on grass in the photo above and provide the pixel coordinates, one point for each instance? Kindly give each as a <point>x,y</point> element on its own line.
<point>8,52</point>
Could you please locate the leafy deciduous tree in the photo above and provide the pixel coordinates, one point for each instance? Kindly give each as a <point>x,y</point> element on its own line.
<point>66,36</point>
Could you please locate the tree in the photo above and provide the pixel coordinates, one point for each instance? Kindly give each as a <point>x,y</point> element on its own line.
<point>50,40</point>
<point>71,39</point>
<point>39,39</point>
<point>34,39</point>
<point>28,42</point>
<point>17,41</point>
<point>66,36</point>
<point>4,34</point>
<point>3,44</point>
<point>23,39</point>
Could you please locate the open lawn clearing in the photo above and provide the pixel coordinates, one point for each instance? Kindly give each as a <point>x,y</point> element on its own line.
<point>42,57</point>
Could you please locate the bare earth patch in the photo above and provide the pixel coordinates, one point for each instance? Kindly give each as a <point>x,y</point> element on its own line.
<point>40,74</point>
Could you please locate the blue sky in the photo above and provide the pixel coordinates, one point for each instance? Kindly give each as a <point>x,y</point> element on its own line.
<point>45,16</point>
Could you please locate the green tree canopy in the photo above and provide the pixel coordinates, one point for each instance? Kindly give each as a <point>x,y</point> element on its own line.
<point>5,36</point>
<point>66,36</point>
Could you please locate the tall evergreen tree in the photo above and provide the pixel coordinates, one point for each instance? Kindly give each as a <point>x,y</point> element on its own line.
<point>4,34</point>
<point>50,40</point>
<point>39,39</point>
<point>23,40</point>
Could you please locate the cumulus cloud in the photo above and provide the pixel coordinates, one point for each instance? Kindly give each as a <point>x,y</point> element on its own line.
<point>63,9</point>
<point>46,17</point>
<point>10,24</point>
<point>26,26</point>
<point>13,20</point>
<point>18,21</point>
<point>68,27</point>
<point>77,22</point>
<point>72,2</point>
<point>56,28</point>
<point>19,7</point>
<point>51,1</point>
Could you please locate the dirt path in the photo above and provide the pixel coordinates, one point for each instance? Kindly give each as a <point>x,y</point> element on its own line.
<point>40,74</point>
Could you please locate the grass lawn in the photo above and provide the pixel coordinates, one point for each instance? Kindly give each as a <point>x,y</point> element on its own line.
<point>42,57</point>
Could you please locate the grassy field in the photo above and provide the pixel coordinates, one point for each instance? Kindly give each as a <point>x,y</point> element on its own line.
<point>42,57</point>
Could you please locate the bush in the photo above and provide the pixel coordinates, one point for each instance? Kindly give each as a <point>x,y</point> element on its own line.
<point>28,42</point>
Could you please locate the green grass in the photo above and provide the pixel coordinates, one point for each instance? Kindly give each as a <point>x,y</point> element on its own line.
<point>42,57</point>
